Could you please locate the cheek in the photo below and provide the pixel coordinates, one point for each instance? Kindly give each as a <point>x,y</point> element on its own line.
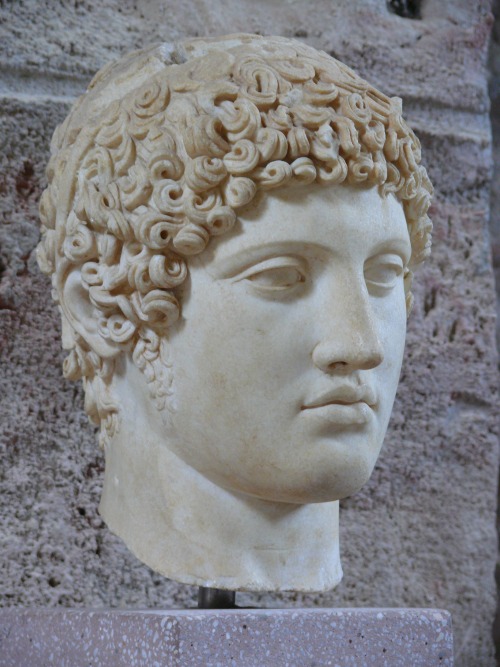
<point>237,337</point>
<point>215,351</point>
<point>393,341</point>
<point>392,316</point>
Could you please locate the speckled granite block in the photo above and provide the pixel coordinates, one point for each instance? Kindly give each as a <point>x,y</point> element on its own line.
<point>214,638</point>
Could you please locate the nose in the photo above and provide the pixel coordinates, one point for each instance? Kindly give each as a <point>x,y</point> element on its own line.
<point>350,340</point>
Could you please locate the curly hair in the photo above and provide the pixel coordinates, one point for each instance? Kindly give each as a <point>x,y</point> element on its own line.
<point>163,149</point>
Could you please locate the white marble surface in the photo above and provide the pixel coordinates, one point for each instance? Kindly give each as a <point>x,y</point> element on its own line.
<point>239,348</point>
<point>285,366</point>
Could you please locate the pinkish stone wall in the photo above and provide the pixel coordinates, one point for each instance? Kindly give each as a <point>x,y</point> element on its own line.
<point>422,532</point>
<point>494,90</point>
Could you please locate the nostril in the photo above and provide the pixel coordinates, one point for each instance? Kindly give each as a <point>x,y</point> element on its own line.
<point>337,365</point>
<point>331,358</point>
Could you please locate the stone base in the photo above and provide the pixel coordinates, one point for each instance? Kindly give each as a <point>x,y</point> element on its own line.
<point>219,638</point>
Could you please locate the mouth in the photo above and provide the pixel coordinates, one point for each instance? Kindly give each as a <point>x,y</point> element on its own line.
<point>343,396</point>
<point>343,406</point>
<point>326,403</point>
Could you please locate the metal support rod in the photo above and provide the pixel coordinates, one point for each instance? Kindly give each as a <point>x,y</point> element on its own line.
<point>216,598</point>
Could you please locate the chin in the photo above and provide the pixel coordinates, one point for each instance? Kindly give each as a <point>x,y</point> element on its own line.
<point>313,486</point>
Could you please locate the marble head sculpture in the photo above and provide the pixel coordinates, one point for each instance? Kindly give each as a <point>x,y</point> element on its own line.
<point>231,226</point>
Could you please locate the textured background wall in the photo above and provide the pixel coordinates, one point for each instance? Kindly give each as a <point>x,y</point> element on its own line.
<point>422,532</point>
<point>494,89</point>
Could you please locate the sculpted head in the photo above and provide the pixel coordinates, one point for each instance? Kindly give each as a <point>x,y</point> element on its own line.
<point>231,227</point>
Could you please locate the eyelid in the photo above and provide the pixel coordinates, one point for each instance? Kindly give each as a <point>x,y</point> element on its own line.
<point>387,258</point>
<point>269,264</point>
<point>391,261</point>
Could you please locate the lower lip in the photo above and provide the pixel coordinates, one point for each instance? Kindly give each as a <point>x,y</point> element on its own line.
<point>352,414</point>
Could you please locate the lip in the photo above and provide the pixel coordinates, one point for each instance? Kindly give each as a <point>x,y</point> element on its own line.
<point>343,395</point>
<point>343,405</point>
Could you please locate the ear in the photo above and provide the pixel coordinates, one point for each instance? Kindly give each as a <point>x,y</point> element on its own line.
<point>78,314</point>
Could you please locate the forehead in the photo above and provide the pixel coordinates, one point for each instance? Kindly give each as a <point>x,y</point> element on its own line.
<point>339,220</point>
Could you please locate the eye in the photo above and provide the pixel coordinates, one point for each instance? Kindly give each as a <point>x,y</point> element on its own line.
<point>275,275</point>
<point>279,278</point>
<point>383,272</point>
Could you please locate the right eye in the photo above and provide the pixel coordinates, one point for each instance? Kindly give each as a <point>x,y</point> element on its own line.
<point>280,278</point>
<point>275,275</point>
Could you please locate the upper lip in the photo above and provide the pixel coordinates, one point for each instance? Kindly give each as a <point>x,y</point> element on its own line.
<point>343,395</point>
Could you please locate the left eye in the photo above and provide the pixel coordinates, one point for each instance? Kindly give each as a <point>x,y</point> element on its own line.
<point>384,272</point>
<point>278,278</point>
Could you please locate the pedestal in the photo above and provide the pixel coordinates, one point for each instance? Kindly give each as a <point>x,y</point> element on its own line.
<point>236,638</point>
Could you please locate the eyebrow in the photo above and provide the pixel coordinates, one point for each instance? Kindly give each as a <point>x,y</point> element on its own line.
<point>246,257</point>
<point>253,254</point>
